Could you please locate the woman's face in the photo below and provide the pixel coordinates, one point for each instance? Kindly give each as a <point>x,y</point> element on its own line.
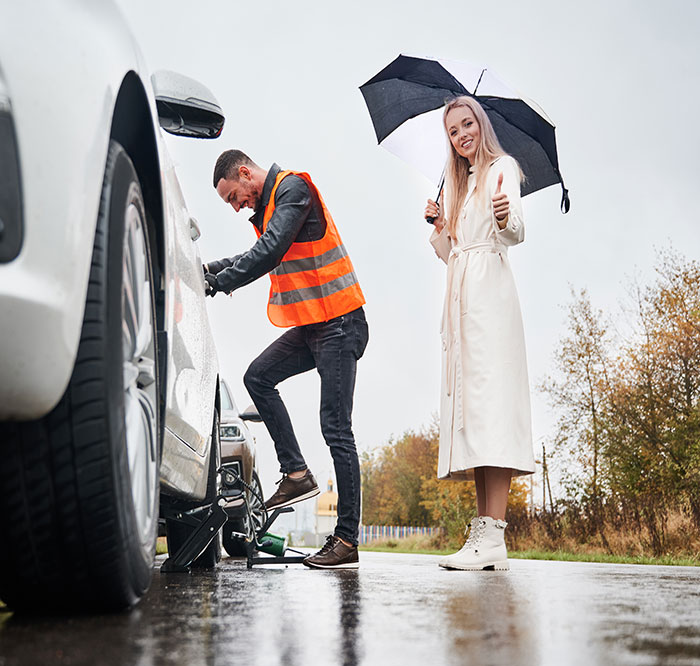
<point>464,131</point>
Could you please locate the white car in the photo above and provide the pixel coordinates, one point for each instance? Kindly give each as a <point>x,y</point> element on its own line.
<point>109,386</point>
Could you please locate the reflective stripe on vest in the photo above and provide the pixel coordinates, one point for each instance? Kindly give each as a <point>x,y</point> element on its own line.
<point>315,281</point>
<point>296,265</point>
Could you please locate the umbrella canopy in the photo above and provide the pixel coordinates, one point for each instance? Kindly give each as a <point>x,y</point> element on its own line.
<point>405,102</point>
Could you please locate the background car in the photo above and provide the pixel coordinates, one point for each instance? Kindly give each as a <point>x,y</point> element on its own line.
<point>109,390</point>
<point>238,449</point>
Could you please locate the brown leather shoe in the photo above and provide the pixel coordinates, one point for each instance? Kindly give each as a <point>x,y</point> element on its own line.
<point>293,490</point>
<point>334,555</point>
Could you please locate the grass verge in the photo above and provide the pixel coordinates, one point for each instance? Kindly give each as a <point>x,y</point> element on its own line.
<point>403,549</point>
<point>161,546</point>
<point>423,547</point>
<point>605,558</point>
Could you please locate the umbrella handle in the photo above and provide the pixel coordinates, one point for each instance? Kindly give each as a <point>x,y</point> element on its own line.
<point>431,220</point>
<point>565,202</point>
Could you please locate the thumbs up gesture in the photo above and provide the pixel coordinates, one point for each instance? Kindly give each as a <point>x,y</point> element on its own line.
<point>501,205</point>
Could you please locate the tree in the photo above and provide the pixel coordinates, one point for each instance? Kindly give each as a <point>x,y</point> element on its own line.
<point>629,414</point>
<point>579,391</point>
<point>656,448</point>
<point>400,487</point>
<point>392,479</point>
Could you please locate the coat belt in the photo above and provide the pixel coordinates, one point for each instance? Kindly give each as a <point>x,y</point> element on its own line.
<point>451,331</point>
<point>487,245</point>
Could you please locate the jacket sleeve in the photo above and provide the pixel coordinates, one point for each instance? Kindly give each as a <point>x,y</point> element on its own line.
<point>514,231</point>
<point>218,266</point>
<point>442,242</point>
<point>292,206</point>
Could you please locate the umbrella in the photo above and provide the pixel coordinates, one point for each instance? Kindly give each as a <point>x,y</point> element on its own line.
<point>405,102</point>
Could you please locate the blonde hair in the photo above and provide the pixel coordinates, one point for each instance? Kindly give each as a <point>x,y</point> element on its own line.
<point>457,167</point>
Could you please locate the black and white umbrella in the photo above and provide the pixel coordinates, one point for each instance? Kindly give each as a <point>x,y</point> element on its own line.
<point>405,101</point>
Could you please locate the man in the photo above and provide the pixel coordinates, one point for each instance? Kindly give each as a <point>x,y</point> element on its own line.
<point>315,292</point>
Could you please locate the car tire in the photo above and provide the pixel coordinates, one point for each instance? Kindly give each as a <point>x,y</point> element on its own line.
<point>235,546</point>
<point>79,487</point>
<point>178,532</point>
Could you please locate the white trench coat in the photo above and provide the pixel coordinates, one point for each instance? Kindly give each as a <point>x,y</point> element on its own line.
<point>485,395</point>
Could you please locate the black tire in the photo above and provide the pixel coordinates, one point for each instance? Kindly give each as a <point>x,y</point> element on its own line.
<point>234,546</point>
<point>177,532</point>
<point>72,534</point>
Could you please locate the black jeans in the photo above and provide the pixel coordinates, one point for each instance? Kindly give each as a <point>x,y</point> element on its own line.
<point>333,348</point>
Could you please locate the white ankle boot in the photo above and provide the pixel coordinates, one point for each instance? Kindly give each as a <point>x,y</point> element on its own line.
<point>485,547</point>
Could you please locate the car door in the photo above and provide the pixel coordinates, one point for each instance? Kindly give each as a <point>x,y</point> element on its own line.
<point>192,363</point>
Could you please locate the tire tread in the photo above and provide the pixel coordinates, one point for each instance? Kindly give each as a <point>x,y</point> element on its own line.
<point>60,545</point>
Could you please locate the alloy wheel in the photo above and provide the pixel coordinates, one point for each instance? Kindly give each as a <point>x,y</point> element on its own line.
<point>140,399</point>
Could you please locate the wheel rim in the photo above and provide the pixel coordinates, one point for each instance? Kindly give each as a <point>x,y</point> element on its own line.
<point>257,510</point>
<point>139,372</point>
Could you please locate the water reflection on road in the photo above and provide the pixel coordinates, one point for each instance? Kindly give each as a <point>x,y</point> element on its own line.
<point>397,609</point>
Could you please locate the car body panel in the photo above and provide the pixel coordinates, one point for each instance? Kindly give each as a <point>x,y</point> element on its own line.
<point>62,85</point>
<point>191,380</point>
<point>183,472</point>
<point>48,313</point>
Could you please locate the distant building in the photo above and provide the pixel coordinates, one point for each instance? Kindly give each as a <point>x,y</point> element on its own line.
<point>326,513</point>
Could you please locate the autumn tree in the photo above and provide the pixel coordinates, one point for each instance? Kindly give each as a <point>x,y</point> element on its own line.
<point>629,415</point>
<point>392,479</point>
<point>579,392</point>
<point>400,487</point>
<point>655,426</point>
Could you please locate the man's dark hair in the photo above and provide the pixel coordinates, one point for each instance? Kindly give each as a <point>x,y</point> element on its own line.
<point>227,165</point>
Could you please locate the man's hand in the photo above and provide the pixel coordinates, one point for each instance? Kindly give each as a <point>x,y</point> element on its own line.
<point>211,287</point>
<point>205,268</point>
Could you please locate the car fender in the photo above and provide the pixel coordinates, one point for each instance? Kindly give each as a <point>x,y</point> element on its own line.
<point>63,139</point>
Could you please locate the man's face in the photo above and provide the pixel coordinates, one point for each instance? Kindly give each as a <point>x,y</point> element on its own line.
<point>241,193</point>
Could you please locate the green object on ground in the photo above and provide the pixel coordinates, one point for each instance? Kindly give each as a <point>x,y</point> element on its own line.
<point>273,544</point>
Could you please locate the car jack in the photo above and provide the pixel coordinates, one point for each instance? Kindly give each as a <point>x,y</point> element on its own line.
<point>209,519</point>
<point>262,541</point>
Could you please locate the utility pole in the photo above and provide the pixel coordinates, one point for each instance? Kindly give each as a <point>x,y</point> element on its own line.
<point>546,486</point>
<point>544,479</point>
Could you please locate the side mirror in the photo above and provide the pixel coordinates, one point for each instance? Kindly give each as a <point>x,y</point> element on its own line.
<point>186,107</point>
<point>251,414</point>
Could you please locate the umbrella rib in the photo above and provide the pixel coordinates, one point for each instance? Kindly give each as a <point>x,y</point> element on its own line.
<point>479,81</point>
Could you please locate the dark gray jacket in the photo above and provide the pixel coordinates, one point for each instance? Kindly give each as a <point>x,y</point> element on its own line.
<point>298,217</point>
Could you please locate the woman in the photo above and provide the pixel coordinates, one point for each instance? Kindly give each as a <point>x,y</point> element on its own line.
<point>485,431</point>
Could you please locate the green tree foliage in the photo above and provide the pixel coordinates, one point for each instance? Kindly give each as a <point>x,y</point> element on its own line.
<point>579,392</point>
<point>400,487</point>
<point>392,478</point>
<point>629,408</point>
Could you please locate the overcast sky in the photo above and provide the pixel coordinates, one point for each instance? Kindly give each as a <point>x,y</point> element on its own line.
<point>619,79</point>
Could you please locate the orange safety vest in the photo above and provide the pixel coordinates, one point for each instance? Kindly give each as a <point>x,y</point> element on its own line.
<point>315,280</point>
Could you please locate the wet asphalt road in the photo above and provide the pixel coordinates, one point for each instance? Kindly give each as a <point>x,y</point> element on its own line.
<point>397,609</point>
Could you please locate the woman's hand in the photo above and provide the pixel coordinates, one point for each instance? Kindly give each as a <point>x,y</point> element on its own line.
<point>434,211</point>
<point>501,205</point>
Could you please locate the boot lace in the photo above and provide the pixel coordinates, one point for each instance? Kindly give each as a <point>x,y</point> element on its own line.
<point>474,532</point>
<point>329,545</point>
